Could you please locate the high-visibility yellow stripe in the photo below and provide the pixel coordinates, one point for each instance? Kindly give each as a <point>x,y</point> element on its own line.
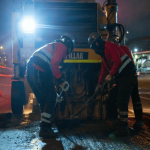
<point>82,61</point>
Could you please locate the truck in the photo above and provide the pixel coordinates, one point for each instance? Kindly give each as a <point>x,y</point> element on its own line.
<point>38,22</point>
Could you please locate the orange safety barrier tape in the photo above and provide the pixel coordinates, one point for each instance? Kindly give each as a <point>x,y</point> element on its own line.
<point>6,68</point>
<point>5,84</point>
<point>3,75</point>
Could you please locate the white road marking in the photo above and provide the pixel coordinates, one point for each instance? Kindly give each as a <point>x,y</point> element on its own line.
<point>145,98</point>
<point>131,112</point>
<point>144,93</point>
<point>144,88</point>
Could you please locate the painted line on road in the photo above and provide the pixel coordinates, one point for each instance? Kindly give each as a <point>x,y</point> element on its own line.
<point>145,98</point>
<point>146,113</point>
<point>144,88</point>
<point>144,92</point>
<point>5,84</point>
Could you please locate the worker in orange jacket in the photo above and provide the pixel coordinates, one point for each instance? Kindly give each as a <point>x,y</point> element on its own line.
<point>115,63</point>
<point>42,66</point>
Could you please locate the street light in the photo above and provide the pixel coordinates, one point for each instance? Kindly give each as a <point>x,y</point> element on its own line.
<point>1,47</point>
<point>125,37</point>
<point>135,49</point>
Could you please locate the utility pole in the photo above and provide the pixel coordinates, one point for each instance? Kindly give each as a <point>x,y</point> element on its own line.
<point>125,37</point>
<point>111,14</point>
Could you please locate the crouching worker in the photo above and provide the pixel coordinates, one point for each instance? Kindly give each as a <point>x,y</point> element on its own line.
<point>42,66</point>
<point>115,63</point>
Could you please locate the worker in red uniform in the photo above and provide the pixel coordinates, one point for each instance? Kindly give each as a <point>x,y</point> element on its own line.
<point>115,63</point>
<point>42,66</point>
<point>137,106</point>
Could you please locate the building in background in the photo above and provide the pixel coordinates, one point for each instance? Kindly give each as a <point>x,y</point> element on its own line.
<point>3,57</point>
<point>140,49</point>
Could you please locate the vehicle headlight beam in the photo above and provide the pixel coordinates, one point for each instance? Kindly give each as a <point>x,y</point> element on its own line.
<point>28,25</point>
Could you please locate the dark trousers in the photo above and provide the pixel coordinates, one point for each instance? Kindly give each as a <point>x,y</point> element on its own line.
<point>137,106</point>
<point>43,87</point>
<point>125,83</point>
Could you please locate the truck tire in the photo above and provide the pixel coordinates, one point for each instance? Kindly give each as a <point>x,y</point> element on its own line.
<point>17,97</point>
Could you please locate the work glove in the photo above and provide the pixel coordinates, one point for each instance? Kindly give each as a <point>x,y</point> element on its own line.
<point>108,78</point>
<point>98,89</point>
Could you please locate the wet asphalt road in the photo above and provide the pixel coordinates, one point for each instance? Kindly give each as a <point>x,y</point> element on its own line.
<point>21,132</point>
<point>144,91</point>
<point>145,94</point>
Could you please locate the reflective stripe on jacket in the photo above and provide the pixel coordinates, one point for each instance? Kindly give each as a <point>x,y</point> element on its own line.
<point>125,61</point>
<point>113,54</point>
<point>127,51</point>
<point>52,56</point>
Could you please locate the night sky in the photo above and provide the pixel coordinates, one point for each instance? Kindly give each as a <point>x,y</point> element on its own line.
<point>133,14</point>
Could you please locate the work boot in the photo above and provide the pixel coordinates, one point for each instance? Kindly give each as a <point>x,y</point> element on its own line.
<point>138,125</point>
<point>46,131</point>
<point>121,132</point>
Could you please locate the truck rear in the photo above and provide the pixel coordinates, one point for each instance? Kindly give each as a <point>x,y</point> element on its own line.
<point>40,22</point>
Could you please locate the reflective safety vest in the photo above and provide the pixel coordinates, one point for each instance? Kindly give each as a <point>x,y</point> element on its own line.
<point>115,60</point>
<point>52,54</point>
<point>127,51</point>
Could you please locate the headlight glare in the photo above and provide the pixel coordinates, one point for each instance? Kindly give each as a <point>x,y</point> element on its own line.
<point>28,25</point>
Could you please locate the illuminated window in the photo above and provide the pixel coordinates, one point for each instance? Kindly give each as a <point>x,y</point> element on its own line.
<point>136,56</point>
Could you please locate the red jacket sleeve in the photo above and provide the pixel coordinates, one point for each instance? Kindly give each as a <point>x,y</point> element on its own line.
<point>59,55</point>
<point>127,51</point>
<point>113,50</point>
<point>104,72</point>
